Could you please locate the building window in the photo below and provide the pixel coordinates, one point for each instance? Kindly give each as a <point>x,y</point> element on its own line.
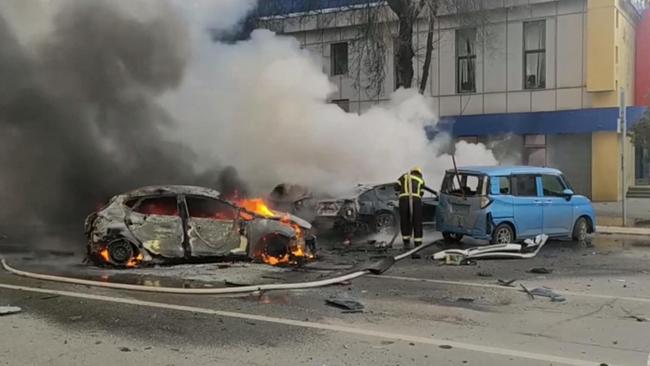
<point>339,58</point>
<point>344,104</point>
<point>535,150</point>
<point>466,61</point>
<point>535,54</point>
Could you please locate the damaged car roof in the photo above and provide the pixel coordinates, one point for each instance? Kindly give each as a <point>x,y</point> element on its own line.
<point>174,189</point>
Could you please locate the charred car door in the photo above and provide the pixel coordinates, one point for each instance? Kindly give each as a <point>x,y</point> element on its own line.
<point>212,226</point>
<point>156,222</point>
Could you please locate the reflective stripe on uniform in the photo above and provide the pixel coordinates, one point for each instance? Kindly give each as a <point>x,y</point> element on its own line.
<point>418,240</point>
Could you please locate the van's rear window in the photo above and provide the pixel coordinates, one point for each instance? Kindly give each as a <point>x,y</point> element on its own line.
<point>462,184</point>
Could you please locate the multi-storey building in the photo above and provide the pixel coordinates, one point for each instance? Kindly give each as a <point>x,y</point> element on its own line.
<point>542,83</point>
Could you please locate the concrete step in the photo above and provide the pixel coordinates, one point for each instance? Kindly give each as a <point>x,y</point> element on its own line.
<point>638,192</point>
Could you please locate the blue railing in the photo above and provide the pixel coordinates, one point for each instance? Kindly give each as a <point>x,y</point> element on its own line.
<point>283,7</point>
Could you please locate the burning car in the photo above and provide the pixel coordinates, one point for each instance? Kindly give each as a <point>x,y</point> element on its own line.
<point>374,207</point>
<point>169,223</point>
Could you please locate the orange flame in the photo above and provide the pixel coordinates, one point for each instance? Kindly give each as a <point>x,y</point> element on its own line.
<point>256,205</point>
<point>132,263</point>
<point>105,256</point>
<point>296,252</point>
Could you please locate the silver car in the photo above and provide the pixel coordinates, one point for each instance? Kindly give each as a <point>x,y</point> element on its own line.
<point>170,223</point>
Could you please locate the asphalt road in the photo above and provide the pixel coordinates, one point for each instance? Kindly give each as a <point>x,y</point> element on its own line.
<point>417,313</point>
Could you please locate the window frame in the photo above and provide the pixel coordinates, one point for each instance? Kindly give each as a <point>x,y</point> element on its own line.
<point>515,191</point>
<point>334,69</point>
<point>559,179</point>
<point>470,58</point>
<point>538,51</point>
<point>186,202</point>
<point>139,200</point>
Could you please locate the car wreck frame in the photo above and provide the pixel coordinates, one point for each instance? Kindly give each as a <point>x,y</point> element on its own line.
<point>179,223</point>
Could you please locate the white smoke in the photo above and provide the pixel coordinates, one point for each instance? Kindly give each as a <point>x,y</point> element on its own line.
<point>261,105</point>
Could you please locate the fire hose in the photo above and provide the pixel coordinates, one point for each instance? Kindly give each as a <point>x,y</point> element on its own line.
<point>375,268</point>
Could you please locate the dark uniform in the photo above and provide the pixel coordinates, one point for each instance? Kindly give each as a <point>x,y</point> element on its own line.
<point>411,189</point>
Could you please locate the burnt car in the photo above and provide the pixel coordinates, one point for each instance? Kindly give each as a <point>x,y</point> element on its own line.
<point>170,223</point>
<point>371,207</point>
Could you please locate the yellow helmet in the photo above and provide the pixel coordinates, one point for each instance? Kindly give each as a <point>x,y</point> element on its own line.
<point>416,169</point>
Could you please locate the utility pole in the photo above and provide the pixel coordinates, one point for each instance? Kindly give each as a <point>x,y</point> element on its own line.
<point>622,129</point>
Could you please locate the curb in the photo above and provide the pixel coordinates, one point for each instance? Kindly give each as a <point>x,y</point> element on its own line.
<point>622,230</point>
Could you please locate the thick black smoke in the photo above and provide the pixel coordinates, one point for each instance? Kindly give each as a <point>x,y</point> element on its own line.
<point>79,120</point>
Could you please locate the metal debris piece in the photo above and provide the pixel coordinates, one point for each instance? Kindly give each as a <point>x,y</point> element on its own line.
<point>540,270</point>
<point>638,318</point>
<point>465,299</point>
<point>8,310</point>
<point>484,274</point>
<point>529,249</point>
<point>530,295</point>
<point>346,304</point>
<point>547,292</point>
<point>506,283</point>
<point>445,346</point>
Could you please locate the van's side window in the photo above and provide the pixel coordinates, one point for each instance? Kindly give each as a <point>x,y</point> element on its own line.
<point>524,185</point>
<point>552,185</point>
<point>504,185</point>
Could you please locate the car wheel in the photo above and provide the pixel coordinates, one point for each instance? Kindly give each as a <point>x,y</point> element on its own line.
<point>452,236</point>
<point>384,222</point>
<point>120,251</point>
<point>503,234</point>
<point>580,230</point>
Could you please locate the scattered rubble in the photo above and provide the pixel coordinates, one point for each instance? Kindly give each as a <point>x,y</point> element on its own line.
<point>508,283</point>
<point>8,310</point>
<point>547,292</point>
<point>540,270</point>
<point>349,305</point>
<point>528,249</point>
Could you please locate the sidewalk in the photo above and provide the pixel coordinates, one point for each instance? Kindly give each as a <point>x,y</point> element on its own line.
<point>610,213</point>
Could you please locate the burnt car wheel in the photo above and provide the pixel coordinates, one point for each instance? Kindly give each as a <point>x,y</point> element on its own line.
<point>503,234</point>
<point>385,222</point>
<point>120,251</point>
<point>452,236</point>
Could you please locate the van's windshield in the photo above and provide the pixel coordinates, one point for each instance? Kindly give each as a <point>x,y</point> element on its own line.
<point>463,184</point>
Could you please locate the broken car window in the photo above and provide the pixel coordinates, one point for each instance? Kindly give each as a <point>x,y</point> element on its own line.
<point>463,184</point>
<point>164,206</point>
<point>524,185</point>
<point>208,208</point>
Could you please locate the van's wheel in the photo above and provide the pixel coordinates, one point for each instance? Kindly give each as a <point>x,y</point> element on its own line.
<point>452,236</point>
<point>503,234</point>
<point>580,230</point>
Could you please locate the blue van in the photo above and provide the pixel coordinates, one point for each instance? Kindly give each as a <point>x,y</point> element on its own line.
<point>505,204</point>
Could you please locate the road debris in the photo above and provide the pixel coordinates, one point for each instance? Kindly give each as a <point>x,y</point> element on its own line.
<point>348,305</point>
<point>484,274</point>
<point>528,249</point>
<point>530,295</point>
<point>8,310</point>
<point>636,317</point>
<point>547,292</point>
<point>540,270</point>
<point>508,283</point>
<point>445,346</point>
<point>465,299</point>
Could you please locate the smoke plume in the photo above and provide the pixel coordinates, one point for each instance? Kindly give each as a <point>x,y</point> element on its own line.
<point>99,97</point>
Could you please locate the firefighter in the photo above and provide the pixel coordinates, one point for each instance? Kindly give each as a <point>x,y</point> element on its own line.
<point>411,189</point>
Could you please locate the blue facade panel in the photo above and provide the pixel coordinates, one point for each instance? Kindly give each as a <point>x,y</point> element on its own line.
<point>557,122</point>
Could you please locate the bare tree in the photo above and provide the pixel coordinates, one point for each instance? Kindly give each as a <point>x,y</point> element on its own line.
<point>378,23</point>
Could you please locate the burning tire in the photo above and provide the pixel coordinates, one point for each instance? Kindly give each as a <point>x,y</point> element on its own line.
<point>120,252</point>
